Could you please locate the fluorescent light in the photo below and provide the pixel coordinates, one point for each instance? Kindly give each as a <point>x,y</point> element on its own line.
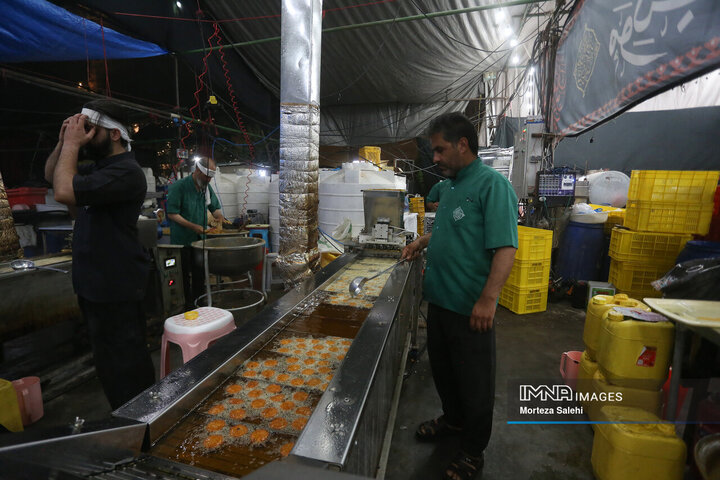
<point>514,42</point>
<point>532,71</point>
<point>262,173</point>
<point>515,59</point>
<point>506,31</point>
<point>179,5</point>
<point>499,15</point>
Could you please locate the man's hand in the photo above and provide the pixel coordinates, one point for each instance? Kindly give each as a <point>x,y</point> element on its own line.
<point>197,229</point>
<point>414,249</point>
<point>483,312</point>
<point>75,134</point>
<point>63,127</point>
<point>411,251</point>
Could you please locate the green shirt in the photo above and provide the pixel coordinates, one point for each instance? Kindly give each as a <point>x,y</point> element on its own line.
<point>477,214</point>
<point>185,199</point>
<point>434,193</point>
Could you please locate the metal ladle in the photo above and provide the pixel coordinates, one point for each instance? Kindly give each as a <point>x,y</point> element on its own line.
<point>24,264</point>
<point>357,283</point>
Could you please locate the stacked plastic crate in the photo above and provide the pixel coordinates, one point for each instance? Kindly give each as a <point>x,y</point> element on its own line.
<point>664,209</point>
<point>526,289</point>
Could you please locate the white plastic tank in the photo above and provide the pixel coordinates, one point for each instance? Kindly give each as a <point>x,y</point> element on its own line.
<point>608,188</point>
<point>149,179</point>
<point>341,195</point>
<point>252,188</point>
<point>225,185</point>
<point>274,212</point>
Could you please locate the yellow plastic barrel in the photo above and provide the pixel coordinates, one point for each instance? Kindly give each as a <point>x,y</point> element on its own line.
<point>636,445</point>
<point>585,374</point>
<point>598,306</point>
<point>609,394</point>
<point>634,353</point>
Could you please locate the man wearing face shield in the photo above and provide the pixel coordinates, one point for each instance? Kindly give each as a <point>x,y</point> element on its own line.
<point>110,267</point>
<point>189,200</point>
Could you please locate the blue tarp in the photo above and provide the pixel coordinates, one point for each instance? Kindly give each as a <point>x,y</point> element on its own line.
<point>38,31</point>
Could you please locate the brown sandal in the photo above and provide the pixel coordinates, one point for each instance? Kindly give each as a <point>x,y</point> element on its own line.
<point>464,467</point>
<point>435,429</point>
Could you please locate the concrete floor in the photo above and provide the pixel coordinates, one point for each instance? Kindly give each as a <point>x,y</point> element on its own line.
<point>528,346</point>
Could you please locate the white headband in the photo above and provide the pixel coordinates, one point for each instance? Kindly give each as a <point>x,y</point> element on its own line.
<point>206,171</point>
<point>97,118</point>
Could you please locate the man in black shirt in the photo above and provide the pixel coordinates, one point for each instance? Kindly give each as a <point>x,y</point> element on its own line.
<point>110,267</point>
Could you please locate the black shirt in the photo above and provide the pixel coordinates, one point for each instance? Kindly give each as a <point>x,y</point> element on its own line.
<point>109,264</point>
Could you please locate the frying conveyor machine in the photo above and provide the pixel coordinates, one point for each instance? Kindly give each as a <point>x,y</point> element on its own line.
<point>313,380</point>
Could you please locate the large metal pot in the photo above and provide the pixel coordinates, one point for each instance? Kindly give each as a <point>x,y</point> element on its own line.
<point>230,256</point>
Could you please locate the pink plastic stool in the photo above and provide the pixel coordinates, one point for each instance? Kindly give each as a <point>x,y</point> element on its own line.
<point>569,364</point>
<point>194,336</point>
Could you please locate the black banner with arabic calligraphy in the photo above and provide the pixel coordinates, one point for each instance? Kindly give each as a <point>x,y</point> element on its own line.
<point>615,53</point>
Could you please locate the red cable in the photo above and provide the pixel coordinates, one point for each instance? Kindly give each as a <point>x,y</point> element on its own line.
<point>199,89</point>
<point>238,119</point>
<point>107,72</point>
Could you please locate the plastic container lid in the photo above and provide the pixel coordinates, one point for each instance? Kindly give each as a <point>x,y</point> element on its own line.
<point>615,316</point>
<point>600,300</point>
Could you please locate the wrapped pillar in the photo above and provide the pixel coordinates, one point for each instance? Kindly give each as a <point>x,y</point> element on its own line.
<point>299,137</point>
<point>9,241</point>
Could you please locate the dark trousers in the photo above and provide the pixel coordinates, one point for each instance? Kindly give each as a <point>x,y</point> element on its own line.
<point>193,277</point>
<point>117,336</point>
<point>463,368</point>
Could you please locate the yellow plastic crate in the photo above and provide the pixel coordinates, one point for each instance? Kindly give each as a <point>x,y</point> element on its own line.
<point>627,245</point>
<point>642,294</point>
<point>524,299</point>
<point>526,273</point>
<point>615,218</point>
<point>636,277</point>
<point>370,154</point>
<point>678,186</point>
<point>668,217</point>
<point>533,244</point>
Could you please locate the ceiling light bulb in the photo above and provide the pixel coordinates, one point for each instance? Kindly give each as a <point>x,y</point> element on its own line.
<point>179,5</point>
<point>532,71</point>
<point>499,16</point>
<point>506,31</point>
<point>514,42</point>
<point>515,59</point>
<point>197,158</point>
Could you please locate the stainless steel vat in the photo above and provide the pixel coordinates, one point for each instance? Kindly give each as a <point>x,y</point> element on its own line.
<point>385,203</point>
<point>230,256</point>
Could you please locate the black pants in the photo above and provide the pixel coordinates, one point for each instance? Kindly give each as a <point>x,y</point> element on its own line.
<point>193,277</point>
<point>117,336</point>
<point>463,368</point>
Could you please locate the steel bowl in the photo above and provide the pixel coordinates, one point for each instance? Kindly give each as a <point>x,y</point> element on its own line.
<point>707,456</point>
<point>229,256</point>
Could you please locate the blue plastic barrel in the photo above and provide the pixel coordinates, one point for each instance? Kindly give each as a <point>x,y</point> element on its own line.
<point>698,249</point>
<point>580,253</point>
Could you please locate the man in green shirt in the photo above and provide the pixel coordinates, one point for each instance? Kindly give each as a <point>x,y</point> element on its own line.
<point>189,200</point>
<point>470,253</point>
<point>433,197</point>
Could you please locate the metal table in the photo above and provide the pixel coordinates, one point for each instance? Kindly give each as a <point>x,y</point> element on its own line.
<point>684,320</point>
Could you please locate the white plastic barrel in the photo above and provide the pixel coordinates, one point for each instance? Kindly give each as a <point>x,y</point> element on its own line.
<point>608,188</point>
